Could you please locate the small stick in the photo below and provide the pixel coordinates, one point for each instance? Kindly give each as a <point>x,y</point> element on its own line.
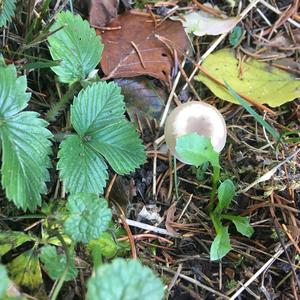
<point>130,236</point>
<point>208,9</point>
<point>150,228</point>
<point>110,186</point>
<point>138,53</point>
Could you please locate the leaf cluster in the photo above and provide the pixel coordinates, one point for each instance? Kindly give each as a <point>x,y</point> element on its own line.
<point>197,150</point>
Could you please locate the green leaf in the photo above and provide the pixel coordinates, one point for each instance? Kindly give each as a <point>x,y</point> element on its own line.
<point>13,96</point>
<point>196,150</point>
<point>124,280</point>
<point>96,106</point>
<point>241,224</point>
<point>235,36</point>
<point>55,264</point>
<point>98,117</point>
<point>76,45</point>
<point>221,244</point>
<point>81,168</point>
<point>12,239</point>
<point>7,10</point>
<point>25,270</point>
<point>119,143</point>
<point>226,192</point>
<point>25,150</point>
<point>257,117</point>
<point>25,144</point>
<point>260,81</point>
<point>89,216</point>
<point>3,282</point>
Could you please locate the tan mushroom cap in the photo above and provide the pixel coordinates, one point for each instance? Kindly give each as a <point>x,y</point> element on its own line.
<point>195,117</point>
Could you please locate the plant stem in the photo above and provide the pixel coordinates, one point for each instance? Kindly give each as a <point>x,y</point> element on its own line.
<point>215,179</point>
<point>175,178</point>
<point>55,110</point>
<point>68,263</point>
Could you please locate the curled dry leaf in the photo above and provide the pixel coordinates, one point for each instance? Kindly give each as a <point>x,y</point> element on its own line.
<point>102,11</point>
<point>135,48</point>
<point>142,98</point>
<point>201,23</point>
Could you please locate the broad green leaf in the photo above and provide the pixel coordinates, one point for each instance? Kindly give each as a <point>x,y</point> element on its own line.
<point>13,96</point>
<point>25,150</point>
<point>104,245</point>
<point>12,239</point>
<point>7,10</point>
<point>124,280</point>
<point>25,270</point>
<point>196,150</point>
<point>89,216</point>
<point>56,264</point>
<point>259,81</point>
<point>98,117</point>
<point>3,282</point>
<point>241,224</point>
<point>221,244</point>
<point>226,192</point>
<point>81,168</point>
<point>119,143</point>
<point>97,106</point>
<point>76,45</point>
<point>257,117</point>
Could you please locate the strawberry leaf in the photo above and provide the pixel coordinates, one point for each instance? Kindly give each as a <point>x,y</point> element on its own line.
<point>88,217</point>
<point>81,168</point>
<point>7,11</point>
<point>124,280</point>
<point>98,117</point>
<point>25,144</point>
<point>76,45</point>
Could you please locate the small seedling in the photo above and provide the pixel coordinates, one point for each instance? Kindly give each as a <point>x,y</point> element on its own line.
<point>198,150</point>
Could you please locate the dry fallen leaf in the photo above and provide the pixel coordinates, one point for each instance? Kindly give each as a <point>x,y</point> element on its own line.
<point>257,80</point>
<point>102,11</point>
<point>201,23</point>
<point>142,98</point>
<point>134,49</point>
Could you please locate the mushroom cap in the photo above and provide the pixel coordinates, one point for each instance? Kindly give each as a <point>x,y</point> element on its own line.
<point>195,117</point>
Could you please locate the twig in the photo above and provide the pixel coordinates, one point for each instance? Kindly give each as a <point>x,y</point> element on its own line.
<point>257,274</point>
<point>130,236</point>
<point>150,228</point>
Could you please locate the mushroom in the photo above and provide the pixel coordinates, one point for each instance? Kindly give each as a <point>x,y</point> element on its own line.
<point>195,117</point>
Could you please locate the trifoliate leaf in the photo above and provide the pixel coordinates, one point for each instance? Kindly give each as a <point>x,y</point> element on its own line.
<point>89,216</point>
<point>81,168</point>
<point>120,145</point>
<point>97,106</point>
<point>56,264</point>
<point>76,45</point>
<point>196,150</point>
<point>259,81</point>
<point>241,224</point>
<point>98,117</point>
<point>7,10</point>
<point>221,244</point>
<point>25,150</point>
<point>124,280</point>
<point>25,270</point>
<point>12,239</point>
<point>3,282</point>
<point>226,192</point>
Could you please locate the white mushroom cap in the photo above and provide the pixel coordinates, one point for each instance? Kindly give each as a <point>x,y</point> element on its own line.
<point>195,117</point>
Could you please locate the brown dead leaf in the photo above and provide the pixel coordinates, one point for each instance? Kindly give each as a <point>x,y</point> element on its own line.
<point>170,218</point>
<point>102,11</point>
<point>135,50</point>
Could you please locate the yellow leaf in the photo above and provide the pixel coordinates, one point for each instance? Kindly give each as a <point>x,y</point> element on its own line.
<point>259,81</point>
